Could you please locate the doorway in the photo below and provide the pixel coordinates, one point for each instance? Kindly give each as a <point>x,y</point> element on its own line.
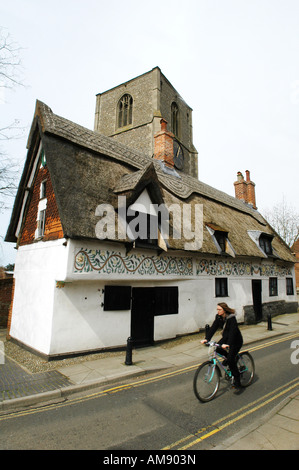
<point>257,299</point>
<point>142,315</point>
<point>148,302</point>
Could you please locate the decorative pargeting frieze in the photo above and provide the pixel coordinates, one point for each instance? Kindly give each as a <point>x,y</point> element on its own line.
<point>113,262</point>
<point>109,262</point>
<point>238,268</point>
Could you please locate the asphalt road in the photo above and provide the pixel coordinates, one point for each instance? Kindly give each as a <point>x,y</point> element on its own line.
<point>155,412</point>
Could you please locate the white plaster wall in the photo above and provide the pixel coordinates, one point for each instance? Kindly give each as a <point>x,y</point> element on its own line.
<point>198,301</point>
<point>70,319</point>
<point>80,322</point>
<point>281,291</point>
<point>37,267</point>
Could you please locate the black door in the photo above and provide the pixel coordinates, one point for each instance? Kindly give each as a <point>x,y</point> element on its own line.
<point>142,315</point>
<point>257,299</point>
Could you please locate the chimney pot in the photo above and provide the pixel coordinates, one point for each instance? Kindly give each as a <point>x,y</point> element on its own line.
<point>240,176</point>
<point>163,123</point>
<point>245,190</point>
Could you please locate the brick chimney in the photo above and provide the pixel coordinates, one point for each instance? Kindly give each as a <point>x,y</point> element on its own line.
<point>164,145</point>
<point>245,190</point>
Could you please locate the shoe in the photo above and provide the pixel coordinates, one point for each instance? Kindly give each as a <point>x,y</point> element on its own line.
<point>237,385</point>
<point>224,363</point>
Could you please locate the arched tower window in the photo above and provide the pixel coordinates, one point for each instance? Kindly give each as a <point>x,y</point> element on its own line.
<point>175,119</point>
<point>125,111</point>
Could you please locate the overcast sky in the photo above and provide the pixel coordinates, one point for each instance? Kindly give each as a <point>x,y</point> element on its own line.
<point>235,62</point>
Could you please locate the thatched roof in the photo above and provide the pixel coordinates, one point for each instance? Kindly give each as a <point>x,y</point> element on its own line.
<point>88,169</point>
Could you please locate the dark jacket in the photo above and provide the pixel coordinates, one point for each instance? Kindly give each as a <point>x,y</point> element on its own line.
<point>231,334</point>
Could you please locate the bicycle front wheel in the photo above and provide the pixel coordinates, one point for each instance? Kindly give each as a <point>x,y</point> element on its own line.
<point>206,381</point>
<point>246,368</point>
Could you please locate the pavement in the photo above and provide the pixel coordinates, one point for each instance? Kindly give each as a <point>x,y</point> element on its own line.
<point>279,430</point>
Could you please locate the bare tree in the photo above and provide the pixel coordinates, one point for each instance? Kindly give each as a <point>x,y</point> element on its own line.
<point>10,65</point>
<point>285,221</point>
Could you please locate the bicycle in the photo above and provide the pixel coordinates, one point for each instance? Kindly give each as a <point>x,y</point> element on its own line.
<point>207,377</point>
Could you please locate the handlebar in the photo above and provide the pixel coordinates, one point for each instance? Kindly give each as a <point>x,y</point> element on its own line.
<point>214,344</point>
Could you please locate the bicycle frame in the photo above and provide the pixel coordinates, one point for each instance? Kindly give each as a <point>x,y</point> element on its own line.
<point>214,357</point>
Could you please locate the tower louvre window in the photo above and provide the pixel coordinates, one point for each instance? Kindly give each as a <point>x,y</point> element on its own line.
<point>175,119</point>
<point>125,111</point>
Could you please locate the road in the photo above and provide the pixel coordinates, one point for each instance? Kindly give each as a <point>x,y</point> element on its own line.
<point>155,412</point>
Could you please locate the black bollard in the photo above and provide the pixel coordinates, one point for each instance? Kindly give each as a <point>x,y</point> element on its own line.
<point>128,360</point>
<point>207,327</point>
<point>269,321</point>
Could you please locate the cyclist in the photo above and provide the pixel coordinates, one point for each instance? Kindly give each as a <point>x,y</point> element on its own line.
<point>231,341</point>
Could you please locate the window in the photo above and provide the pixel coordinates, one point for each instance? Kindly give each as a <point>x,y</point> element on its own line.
<point>117,298</point>
<point>145,222</point>
<point>163,300</point>
<point>272,286</point>
<point>43,190</point>
<point>221,240</point>
<point>221,287</point>
<point>43,158</point>
<point>175,119</point>
<point>166,300</point>
<point>41,211</point>
<point>289,286</point>
<point>125,111</point>
<point>265,244</point>
<point>41,223</point>
<point>220,237</point>
<point>144,228</point>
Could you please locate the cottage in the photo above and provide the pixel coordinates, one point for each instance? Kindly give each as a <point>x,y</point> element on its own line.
<point>115,241</point>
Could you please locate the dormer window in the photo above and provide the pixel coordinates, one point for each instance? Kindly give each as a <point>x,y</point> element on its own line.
<point>220,237</point>
<point>265,242</point>
<point>144,223</point>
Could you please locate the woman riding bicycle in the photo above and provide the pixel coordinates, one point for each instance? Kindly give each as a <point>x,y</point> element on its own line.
<point>231,341</point>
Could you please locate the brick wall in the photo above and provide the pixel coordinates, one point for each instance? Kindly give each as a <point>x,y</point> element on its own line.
<point>6,296</point>
<point>164,145</point>
<point>53,227</point>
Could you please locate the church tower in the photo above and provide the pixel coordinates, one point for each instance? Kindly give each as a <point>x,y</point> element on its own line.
<point>131,114</point>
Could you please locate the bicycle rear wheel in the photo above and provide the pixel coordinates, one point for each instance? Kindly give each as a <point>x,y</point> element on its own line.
<point>245,365</point>
<point>206,381</point>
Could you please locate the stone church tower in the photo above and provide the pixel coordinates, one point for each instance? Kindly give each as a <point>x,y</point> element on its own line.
<point>131,114</point>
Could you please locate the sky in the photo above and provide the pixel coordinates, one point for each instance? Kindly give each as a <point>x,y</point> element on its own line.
<point>235,62</point>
